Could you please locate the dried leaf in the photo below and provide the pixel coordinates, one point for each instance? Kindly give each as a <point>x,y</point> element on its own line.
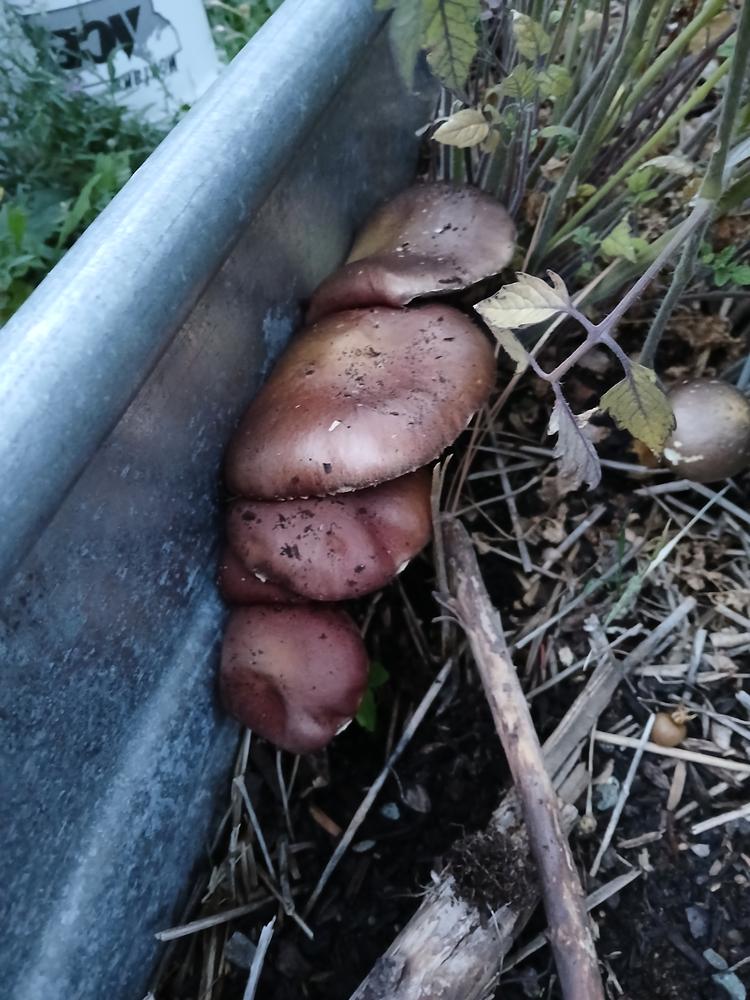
<point>512,347</point>
<point>532,41</point>
<point>672,163</point>
<point>577,458</point>
<point>450,37</point>
<point>464,128</point>
<point>592,21</point>
<point>525,302</point>
<point>638,405</point>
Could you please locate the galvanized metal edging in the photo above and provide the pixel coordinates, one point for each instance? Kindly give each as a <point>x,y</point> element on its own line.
<point>76,353</point>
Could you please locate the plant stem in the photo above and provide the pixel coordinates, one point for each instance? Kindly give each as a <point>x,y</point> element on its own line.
<point>695,98</point>
<point>663,60</point>
<point>711,188</point>
<point>713,182</point>
<point>584,147</point>
<point>682,274</point>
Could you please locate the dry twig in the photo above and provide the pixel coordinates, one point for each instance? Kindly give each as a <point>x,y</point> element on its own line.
<point>570,932</point>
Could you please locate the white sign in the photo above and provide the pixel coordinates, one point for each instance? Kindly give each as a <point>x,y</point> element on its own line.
<point>154,55</point>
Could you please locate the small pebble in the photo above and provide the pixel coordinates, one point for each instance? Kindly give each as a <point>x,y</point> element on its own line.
<point>606,794</point>
<point>697,919</point>
<point>240,950</point>
<point>390,811</point>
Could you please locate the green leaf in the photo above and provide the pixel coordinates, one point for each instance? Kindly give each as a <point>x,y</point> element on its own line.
<point>16,221</point>
<point>79,210</point>
<point>622,243</point>
<point>741,274</point>
<point>554,81</point>
<point>638,405</point>
<point>378,675</point>
<point>574,451</point>
<point>406,33</point>
<point>520,85</point>
<point>463,129</point>
<point>532,41</point>
<point>721,277</point>
<point>585,237</point>
<point>525,302</point>
<point>639,180</point>
<point>367,713</point>
<point>568,135</point>
<point>450,37</point>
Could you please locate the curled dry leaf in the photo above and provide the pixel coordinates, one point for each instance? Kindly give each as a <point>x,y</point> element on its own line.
<point>639,406</point>
<point>525,302</point>
<point>465,128</point>
<point>576,455</point>
<point>512,347</point>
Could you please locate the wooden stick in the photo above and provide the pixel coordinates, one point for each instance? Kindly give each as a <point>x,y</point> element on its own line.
<point>453,947</point>
<point>564,902</point>
<point>712,760</point>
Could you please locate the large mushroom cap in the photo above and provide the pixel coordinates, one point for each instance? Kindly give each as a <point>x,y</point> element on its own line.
<point>431,238</point>
<point>238,585</point>
<point>334,548</point>
<point>294,675</point>
<point>711,439</point>
<point>361,397</point>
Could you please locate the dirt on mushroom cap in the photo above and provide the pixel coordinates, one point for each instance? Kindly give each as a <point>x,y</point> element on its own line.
<point>430,239</point>
<point>334,548</point>
<point>359,398</point>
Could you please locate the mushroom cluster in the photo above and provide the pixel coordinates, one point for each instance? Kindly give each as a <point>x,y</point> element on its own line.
<point>328,464</point>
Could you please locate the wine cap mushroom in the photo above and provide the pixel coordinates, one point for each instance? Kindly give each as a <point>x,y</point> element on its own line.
<point>711,439</point>
<point>361,397</point>
<point>334,548</point>
<point>294,675</point>
<point>238,585</point>
<point>431,238</point>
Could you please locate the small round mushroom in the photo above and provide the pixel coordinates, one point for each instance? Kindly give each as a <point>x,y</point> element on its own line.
<point>294,675</point>
<point>711,439</point>
<point>430,239</point>
<point>359,398</point>
<point>334,548</point>
<point>238,585</point>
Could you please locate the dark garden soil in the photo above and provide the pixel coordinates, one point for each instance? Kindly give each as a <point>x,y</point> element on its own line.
<point>690,905</point>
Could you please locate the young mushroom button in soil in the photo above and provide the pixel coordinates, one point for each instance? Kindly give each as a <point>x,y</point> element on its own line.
<point>359,398</point>
<point>430,239</point>
<point>294,675</point>
<point>711,439</point>
<point>334,548</point>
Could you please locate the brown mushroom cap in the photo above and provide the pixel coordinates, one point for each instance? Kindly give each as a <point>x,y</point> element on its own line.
<point>361,397</point>
<point>711,439</point>
<point>237,585</point>
<point>431,238</point>
<point>334,548</point>
<point>294,675</point>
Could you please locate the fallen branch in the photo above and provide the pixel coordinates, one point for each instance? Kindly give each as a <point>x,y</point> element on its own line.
<point>564,902</point>
<point>453,946</point>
